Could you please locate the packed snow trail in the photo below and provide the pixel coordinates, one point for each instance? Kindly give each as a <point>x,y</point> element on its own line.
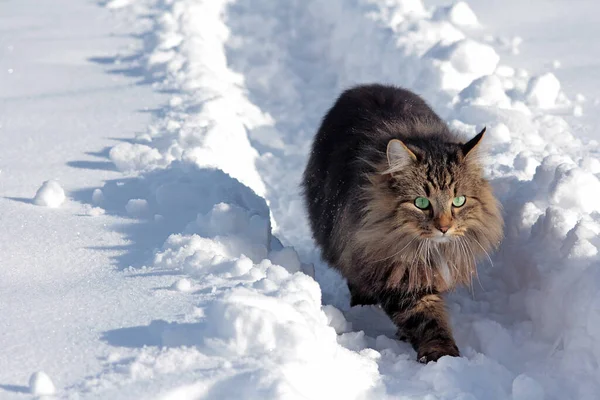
<point>218,243</point>
<point>477,91</point>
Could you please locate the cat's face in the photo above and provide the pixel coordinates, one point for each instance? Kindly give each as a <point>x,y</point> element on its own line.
<point>430,212</point>
<point>440,202</point>
<point>441,195</point>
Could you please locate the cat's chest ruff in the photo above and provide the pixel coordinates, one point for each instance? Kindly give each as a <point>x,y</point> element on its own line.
<point>434,271</point>
<point>444,271</point>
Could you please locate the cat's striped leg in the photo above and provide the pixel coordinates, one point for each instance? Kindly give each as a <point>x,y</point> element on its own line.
<point>422,320</point>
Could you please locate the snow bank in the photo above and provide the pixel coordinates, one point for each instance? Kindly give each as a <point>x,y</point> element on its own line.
<point>251,81</point>
<point>266,315</point>
<point>207,122</point>
<point>256,314</point>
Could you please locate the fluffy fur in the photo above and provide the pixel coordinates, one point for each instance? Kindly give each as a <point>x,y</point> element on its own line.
<point>377,150</point>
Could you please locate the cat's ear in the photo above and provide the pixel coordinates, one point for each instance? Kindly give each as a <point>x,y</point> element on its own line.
<point>399,155</point>
<point>472,144</point>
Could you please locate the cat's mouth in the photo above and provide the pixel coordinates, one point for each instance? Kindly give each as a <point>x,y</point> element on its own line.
<point>441,238</point>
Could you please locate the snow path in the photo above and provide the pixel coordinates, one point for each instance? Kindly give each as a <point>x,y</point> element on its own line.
<point>216,307</point>
<point>305,73</point>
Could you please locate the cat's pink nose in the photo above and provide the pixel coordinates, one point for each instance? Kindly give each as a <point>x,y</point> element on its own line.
<point>443,223</point>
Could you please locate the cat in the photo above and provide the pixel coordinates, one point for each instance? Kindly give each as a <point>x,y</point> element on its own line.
<point>398,204</point>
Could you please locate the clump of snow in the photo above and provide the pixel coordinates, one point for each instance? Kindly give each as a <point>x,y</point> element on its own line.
<point>94,211</point>
<point>97,196</point>
<point>40,384</point>
<point>410,7</point>
<point>543,90</point>
<point>486,91</point>
<point>526,162</point>
<point>514,44</point>
<point>460,14</point>
<point>456,65</point>
<point>235,227</point>
<point>498,133</point>
<point>505,71</point>
<point>137,207</point>
<point>131,157</point>
<point>469,56</point>
<point>175,101</point>
<point>182,285</point>
<point>575,188</point>
<point>50,194</point>
<point>336,319</point>
<point>591,164</point>
<point>526,388</point>
<point>116,4</point>
<point>287,258</point>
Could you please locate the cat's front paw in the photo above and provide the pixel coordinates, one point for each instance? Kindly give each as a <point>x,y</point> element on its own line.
<point>434,350</point>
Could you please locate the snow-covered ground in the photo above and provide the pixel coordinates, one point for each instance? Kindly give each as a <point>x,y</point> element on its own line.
<point>154,244</point>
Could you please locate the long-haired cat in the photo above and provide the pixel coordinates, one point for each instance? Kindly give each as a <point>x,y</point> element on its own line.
<point>399,205</point>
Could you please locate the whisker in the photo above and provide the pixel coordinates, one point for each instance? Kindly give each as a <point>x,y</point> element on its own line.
<point>441,260</point>
<point>424,259</point>
<point>428,263</point>
<point>468,246</point>
<point>398,252</point>
<point>455,250</point>
<point>486,253</point>
<point>463,250</point>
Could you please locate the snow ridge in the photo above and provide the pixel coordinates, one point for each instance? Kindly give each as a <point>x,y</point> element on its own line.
<point>250,81</point>
<point>206,122</point>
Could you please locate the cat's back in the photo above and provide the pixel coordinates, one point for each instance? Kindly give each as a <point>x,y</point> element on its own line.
<point>362,121</point>
<point>367,102</point>
<point>366,117</point>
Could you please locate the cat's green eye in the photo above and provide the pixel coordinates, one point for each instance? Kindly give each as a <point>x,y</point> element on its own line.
<point>459,201</point>
<point>422,202</point>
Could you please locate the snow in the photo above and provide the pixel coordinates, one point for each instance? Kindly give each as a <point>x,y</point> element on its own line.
<point>525,387</point>
<point>136,207</point>
<point>50,194</point>
<point>196,276</point>
<point>542,91</point>
<point>41,385</point>
<point>97,196</point>
<point>182,285</point>
<point>127,156</point>
<point>95,211</point>
<point>459,13</point>
<point>458,64</point>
